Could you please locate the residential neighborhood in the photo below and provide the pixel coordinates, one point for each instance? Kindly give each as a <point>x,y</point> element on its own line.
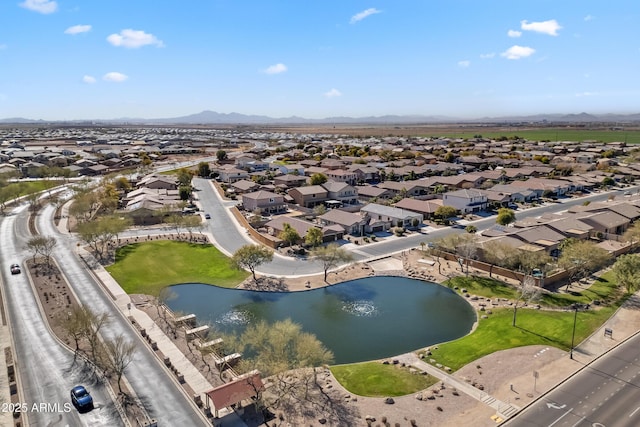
<point>349,187</point>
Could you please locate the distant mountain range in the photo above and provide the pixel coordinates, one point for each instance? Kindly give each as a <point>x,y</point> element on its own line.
<point>212,117</point>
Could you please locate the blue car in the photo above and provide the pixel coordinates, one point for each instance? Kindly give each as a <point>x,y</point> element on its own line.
<point>81,398</point>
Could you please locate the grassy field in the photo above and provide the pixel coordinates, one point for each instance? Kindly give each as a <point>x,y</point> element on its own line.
<point>28,187</point>
<point>603,289</point>
<point>553,134</point>
<point>378,380</point>
<point>145,268</point>
<point>533,327</point>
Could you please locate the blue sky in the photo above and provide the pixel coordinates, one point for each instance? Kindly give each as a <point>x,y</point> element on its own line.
<point>104,59</point>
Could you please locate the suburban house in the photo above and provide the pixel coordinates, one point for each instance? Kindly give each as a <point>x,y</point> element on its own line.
<point>290,180</point>
<point>341,192</point>
<point>276,226</point>
<point>341,175</point>
<point>395,216</point>
<point>265,201</point>
<point>351,223</point>
<point>465,201</point>
<point>244,186</point>
<point>309,196</point>
<point>427,208</point>
<point>158,182</point>
<point>369,192</point>
<point>230,174</point>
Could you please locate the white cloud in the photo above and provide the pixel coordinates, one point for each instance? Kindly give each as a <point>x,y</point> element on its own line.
<point>114,76</point>
<point>517,52</point>
<point>360,16</point>
<point>333,93</point>
<point>133,39</point>
<point>589,18</point>
<point>487,55</point>
<point>89,79</point>
<point>549,27</point>
<point>276,69</point>
<point>514,33</point>
<point>40,6</point>
<point>77,29</point>
<point>464,64</point>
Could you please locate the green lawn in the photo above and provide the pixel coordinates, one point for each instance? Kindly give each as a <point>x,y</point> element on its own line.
<point>378,380</point>
<point>556,134</point>
<point>533,327</point>
<point>603,289</point>
<point>28,187</point>
<point>145,268</point>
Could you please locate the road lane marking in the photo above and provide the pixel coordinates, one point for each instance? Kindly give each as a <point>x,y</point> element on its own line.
<point>633,413</point>
<point>579,421</point>
<point>561,417</point>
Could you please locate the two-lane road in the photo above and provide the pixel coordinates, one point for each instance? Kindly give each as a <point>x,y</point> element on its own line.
<point>604,394</point>
<point>47,371</point>
<point>161,395</point>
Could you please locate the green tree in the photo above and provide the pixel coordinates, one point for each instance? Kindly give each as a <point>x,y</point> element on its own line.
<point>471,229</point>
<point>505,216</point>
<point>204,170</point>
<point>632,235</point>
<point>627,271</point>
<point>445,212</point>
<point>580,258</point>
<point>608,181</point>
<point>289,234</point>
<point>330,256</point>
<point>319,210</point>
<point>318,179</point>
<point>221,155</point>
<point>313,237</point>
<point>250,257</point>
<point>184,177</point>
<point>287,355</point>
<point>101,232</point>
<point>122,184</point>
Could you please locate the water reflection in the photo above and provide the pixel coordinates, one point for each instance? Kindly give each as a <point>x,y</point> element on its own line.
<point>363,319</point>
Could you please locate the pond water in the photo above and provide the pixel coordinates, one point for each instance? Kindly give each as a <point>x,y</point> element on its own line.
<point>363,319</point>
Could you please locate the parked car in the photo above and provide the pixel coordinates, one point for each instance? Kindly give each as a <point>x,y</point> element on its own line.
<point>207,216</point>
<point>15,269</point>
<point>81,398</point>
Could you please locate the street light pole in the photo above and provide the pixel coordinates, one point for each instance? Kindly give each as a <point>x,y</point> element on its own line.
<point>573,335</point>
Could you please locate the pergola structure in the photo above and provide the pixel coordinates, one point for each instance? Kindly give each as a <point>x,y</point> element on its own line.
<point>246,386</point>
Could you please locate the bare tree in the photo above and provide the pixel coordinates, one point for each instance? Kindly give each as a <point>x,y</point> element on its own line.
<point>330,256</point>
<point>527,292</point>
<point>119,354</point>
<point>250,257</point>
<point>43,246</point>
<point>581,257</point>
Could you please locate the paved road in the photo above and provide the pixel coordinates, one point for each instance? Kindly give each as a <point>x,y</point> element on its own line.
<point>159,393</point>
<point>604,394</point>
<point>229,236</point>
<point>47,372</point>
